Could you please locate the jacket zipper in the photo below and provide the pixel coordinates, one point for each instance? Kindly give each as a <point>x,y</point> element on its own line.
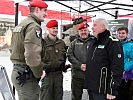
<point>93,53</point>
<point>103,80</point>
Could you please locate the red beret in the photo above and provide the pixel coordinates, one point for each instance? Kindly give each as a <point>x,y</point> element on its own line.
<point>38,3</point>
<point>82,26</point>
<point>52,23</point>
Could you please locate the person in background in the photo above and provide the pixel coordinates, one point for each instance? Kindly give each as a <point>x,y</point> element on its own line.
<point>54,58</point>
<point>77,56</point>
<point>26,47</point>
<point>126,89</point>
<point>105,63</point>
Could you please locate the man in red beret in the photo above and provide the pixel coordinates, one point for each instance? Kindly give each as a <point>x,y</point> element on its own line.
<point>77,56</point>
<point>54,59</point>
<point>82,26</point>
<point>26,48</point>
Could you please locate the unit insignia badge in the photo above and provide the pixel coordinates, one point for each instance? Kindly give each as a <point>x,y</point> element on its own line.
<point>38,33</point>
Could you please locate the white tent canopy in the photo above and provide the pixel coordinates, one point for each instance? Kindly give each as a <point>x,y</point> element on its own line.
<point>111,8</point>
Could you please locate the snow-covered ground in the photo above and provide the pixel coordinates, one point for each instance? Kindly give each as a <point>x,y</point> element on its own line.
<point>5,62</point>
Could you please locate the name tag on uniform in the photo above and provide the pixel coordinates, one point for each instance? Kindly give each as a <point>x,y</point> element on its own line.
<point>17,29</point>
<point>101,46</point>
<point>79,43</point>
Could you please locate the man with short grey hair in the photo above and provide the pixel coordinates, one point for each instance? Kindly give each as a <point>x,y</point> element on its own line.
<point>105,63</point>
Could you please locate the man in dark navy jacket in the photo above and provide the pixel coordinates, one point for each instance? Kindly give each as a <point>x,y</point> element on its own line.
<point>104,63</point>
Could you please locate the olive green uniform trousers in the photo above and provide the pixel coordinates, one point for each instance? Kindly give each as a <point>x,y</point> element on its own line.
<point>52,86</point>
<point>77,86</point>
<point>29,91</point>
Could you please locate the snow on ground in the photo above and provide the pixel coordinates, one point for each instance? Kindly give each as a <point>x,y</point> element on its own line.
<point>5,62</point>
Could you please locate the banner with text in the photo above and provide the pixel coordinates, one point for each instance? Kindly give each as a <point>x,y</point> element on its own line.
<point>113,25</point>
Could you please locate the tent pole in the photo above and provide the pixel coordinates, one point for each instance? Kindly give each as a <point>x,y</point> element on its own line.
<point>16,13</point>
<point>116,14</point>
<point>16,23</point>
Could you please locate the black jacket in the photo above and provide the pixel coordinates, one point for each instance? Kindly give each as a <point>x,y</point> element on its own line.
<point>105,64</point>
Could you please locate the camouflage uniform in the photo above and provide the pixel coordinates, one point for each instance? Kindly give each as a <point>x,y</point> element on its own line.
<point>26,47</point>
<point>54,61</point>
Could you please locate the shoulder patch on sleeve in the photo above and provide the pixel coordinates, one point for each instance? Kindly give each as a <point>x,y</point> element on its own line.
<point>113,38</point>
<point>38,33</point>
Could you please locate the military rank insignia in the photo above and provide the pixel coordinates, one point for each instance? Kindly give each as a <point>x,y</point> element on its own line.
<point>38,33</point>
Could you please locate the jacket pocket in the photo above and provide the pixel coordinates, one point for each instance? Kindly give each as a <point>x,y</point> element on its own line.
<point>103,81</point>
<point>61,55</point>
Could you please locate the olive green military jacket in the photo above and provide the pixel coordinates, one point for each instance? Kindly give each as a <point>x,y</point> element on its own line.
<point>26,44</point>
<point>54,53</point>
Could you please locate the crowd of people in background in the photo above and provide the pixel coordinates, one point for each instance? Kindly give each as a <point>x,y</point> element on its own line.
<point>100,63</point>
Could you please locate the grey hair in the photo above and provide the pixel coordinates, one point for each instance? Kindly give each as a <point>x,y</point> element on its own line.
<point>103,21</point>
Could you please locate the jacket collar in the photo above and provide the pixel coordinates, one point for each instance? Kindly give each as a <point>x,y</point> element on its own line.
<point>103,35</point>
<point>50,41</point>
<point>126,40</point>
<point>35,18</point>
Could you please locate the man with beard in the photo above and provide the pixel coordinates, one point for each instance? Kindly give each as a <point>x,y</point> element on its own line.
<point>54,58</point>
<point>77,56</point>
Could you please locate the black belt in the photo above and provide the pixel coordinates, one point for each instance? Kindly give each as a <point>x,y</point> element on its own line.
<point>47,70</point>
<point>20,65</point>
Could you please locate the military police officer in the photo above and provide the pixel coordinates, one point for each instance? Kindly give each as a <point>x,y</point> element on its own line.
<point>77,56</point>
<point>26,47</point>
<point>54,62</point>
<point>71,30</point>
